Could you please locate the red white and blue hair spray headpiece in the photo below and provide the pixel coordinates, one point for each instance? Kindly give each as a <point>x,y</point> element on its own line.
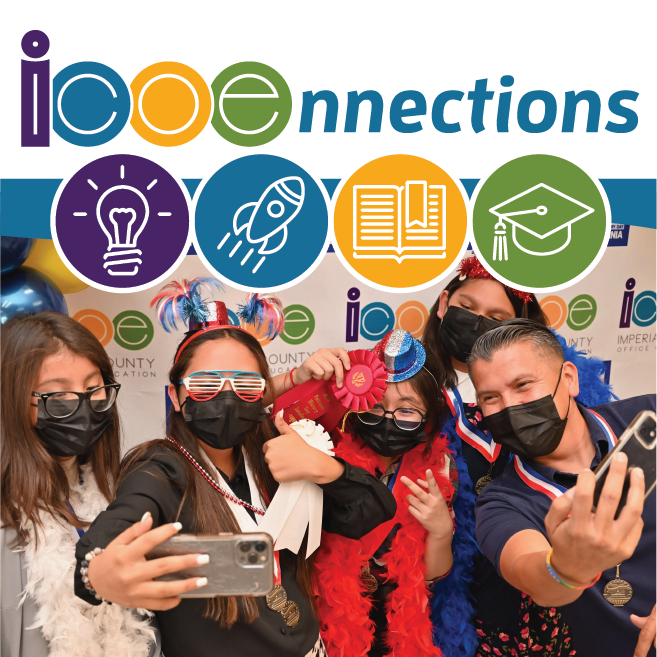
<point>183,301</point>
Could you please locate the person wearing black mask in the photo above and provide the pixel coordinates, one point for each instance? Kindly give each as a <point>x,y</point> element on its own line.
<point>217,471</point>
<point>535,522</point>
<point>472,303</point>
<point>425,545</point>
<point>60,461</point>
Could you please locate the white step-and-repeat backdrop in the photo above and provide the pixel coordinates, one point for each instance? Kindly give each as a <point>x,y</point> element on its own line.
<point>610,314</point>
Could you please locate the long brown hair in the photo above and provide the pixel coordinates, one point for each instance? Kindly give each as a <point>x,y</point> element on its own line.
<point>438,358</point>
<point>33,481</point>
<point>211,511</point>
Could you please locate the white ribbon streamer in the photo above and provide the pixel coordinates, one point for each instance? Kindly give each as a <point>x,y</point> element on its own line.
<point>298,504</point>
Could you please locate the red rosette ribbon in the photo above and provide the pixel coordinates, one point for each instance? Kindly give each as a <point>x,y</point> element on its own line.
<point>364,384</point>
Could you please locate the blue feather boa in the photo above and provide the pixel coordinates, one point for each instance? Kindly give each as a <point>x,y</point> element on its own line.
<point>451,603</point>
<point>590,370</point>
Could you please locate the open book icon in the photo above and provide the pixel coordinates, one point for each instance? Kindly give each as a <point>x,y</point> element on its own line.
<point>399,222</point>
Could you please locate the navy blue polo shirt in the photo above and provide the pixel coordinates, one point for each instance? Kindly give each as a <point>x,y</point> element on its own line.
<point>508,506</point>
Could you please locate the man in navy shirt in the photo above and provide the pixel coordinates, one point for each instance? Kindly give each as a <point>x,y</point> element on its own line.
<point>535,522</point>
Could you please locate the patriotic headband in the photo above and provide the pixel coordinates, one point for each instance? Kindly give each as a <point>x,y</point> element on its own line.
<point>183,301</point>
<point>472,268</point>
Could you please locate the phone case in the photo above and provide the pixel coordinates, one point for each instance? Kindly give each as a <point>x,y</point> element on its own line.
<point>240,564</point>
<point>638,443</point>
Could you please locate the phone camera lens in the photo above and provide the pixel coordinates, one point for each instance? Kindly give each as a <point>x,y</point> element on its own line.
<point>260,546</point>
<point>245,547</point>
<point>253,558</point>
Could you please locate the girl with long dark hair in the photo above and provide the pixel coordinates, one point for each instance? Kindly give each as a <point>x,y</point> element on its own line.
<point>216,472</point>
<point>402,589</point>
<point>506,620</point>
<point>60,463</point>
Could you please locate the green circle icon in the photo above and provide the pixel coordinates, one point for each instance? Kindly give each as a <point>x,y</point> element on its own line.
<point>299,324</point>
<point>133,330</point>
<point>252,104</point>
<point>540,223</point>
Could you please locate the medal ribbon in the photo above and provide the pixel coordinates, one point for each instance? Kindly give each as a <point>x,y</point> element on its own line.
<point>538,482</point>
<point>468,432</point>
<point>364,385</point>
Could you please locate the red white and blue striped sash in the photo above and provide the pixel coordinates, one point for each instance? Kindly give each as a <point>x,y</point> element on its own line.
<point>538,482</point>
<point>468,432</point>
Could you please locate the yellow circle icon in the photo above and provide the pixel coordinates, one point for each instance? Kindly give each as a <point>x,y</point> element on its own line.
<point>400,223</point>
<point>172,104</point>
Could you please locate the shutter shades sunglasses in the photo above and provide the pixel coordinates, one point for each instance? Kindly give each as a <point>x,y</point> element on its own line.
<point>202,386</point>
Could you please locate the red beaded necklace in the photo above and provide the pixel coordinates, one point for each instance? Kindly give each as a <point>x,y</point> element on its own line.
<point>212,482</point>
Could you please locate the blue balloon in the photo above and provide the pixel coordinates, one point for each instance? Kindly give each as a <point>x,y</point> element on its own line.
<point>26,290</point>
<point>14,252</point>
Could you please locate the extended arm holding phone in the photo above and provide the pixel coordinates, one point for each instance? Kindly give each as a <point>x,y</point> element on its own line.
<point>584,542</point>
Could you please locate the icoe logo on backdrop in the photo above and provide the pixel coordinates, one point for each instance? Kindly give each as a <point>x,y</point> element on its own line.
<point>130,329</point>
<point>578,314</point>
<point>640,309</point>
<point>376,319</point>
<point>168,103</point>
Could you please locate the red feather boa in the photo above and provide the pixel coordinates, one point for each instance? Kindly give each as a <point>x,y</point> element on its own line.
<point>343,606</point>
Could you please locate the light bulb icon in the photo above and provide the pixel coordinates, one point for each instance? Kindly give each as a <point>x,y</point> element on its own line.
<point>121,223</point>
<point>122,212</point>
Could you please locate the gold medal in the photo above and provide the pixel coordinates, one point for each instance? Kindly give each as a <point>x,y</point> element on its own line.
<point>618,592</point>
<point>482,483</point>
<point>277,598</point>
<point>277,601</point>
<point>291,613</point>
<point>368,580</point>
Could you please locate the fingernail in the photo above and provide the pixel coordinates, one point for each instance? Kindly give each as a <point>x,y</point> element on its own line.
<point>279,414</point>
<point>571,493</point>
<point>177,526</point>
<point>201,581</point>
<point>202,559</point>
<point>639,473</point>
<point>429,473</point>
<point>621,457</point>
<point>146,516</point>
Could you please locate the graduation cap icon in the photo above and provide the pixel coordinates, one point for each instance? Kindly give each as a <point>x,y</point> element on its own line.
<point>541,218</point>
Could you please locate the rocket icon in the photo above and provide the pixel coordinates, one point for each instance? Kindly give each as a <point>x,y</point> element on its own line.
<point>266,220</point>
<point>263,223</point>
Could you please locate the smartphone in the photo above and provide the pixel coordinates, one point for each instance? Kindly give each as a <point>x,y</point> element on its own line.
<point>240,564</point>
<point>638,442</point>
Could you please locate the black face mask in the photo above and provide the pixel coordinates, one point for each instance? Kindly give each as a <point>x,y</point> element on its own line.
<point>223,421</point>
<point>459,330</point>
<point>76,434</point>
<point>531,430</point>
<point>387,439</point>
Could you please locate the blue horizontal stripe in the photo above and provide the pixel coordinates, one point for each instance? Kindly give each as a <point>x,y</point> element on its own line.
<point>25,203</point>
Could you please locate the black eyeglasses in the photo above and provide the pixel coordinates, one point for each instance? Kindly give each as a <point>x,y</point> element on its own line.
<point>63,403</point>
<point>406,419</point>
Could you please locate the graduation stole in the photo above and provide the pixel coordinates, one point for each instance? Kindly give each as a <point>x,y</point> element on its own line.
<point>538,482</point>
<point>468,432</point>
<point>344,605</point>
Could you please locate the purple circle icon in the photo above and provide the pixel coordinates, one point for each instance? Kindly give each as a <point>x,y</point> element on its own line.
<point>121,223</point>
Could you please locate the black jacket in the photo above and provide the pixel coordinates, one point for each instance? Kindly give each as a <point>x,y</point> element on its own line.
<point>354,505</point>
